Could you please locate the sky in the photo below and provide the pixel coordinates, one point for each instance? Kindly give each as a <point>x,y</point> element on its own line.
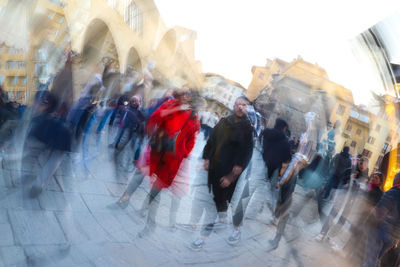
<point>234,35</point>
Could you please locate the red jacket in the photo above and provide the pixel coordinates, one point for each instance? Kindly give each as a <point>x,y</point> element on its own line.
<point>166,165</point>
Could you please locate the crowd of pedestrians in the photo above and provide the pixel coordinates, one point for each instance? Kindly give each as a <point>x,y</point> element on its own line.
<point>154,138</point>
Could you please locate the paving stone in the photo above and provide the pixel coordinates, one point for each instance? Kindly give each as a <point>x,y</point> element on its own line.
<point>6,236</point>
<point>12,255</point>
<point>81,227</point>
<point>103,203</point>
<point>62,201</point>
<point>36,228</point>
<point>16,199</point>
<point>3,216</point>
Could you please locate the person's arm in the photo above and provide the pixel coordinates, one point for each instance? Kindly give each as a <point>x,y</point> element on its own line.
<point>209,148</point>
<point>241,160</point>
<point>191,137</point>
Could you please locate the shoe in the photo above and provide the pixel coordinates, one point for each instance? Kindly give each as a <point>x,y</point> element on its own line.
<point>197,245</point>
<point>234,237</point>
<point>274,221</point>
<point>35,191</point>
<point>186,227</point>
<point>123,202</point>
<point>147,230</point>
<point>319,238</point>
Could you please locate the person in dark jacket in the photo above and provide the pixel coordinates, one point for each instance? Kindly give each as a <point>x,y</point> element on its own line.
<point>339,169</point>
<point>227,153</point>
<point>276,147</point>
<point>386,234</point>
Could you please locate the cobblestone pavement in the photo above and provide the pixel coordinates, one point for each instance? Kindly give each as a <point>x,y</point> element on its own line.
<point>76,223</point>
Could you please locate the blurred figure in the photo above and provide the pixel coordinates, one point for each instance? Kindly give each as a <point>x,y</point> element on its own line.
<point>50,132</point>
<point>339,170</point>
<point>227,153</point>
<point>172,129</point>
<point>344,196</point>
<point>130,131</point>
<point>355,247</point>
<point>386,233</point>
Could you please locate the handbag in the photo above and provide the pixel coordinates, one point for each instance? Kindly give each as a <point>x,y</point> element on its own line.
<point>161,142</point>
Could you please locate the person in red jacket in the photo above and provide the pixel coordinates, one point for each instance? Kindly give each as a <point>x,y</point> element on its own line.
<point>172,129</point>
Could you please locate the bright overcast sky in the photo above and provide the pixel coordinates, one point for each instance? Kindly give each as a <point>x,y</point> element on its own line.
<point>234,35</point>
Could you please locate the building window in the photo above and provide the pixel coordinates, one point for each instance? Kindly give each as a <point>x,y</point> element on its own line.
<point>133,17</point>
<point>60,20</point>
<point>348,127</point>
<point>388,139</point>
<point>20,95</point>
<point>379,161</point>
<point>385,147</point>
<point>367,153</point>
<point>340,110</point>
<point>40,69</point>
<point>378,128</point>
<point>364,118</point>
<point>353,144</point>
<point>51,14</point>
<point>1,79</point>
<point>261,76</point>
<point>358,132</point>
<point>354,114</point>
<point>371,140</point>
<point>13,65</point>
<point>14,81</point>
<point>23,80</point>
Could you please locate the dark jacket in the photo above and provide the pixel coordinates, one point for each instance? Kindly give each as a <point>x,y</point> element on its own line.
<point>341,169</point>
<point>391,222</point>
<point>276,149</point>
<point>230,143</point>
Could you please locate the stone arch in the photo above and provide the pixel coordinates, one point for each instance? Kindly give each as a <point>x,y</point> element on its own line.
<point>133,60</point>
<point>99,44</point>
<point>167,46</point>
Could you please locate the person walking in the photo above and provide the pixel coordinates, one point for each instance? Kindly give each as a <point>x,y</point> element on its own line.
<point>227,153</point>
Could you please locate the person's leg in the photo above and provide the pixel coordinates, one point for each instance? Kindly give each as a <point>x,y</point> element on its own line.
<point>48,170</point>
<point>133,185</point>
<point>373,247</point>
<point>152,205</point>
<point>175,203</point>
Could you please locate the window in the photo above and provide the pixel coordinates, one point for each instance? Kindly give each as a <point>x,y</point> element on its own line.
<point>378,128</point>
<point>354,114</point>
<point>385,147</point>
<point>348,127</point>
<point>51,14</point>
<point>367,153</point>
<point>364,118</point>
<point>20,95</point>
<point>371,140</point>
<point>60,20</point>
<point>379,161</point>
<point>261,76</point>
<point>340,110</point>
<point>14,81</point>
<point>40,69</point>
<point>1,79</point>
<point>133,17</point>
<point>23,80</point>
<point>353,144</point>
<point>358,132</point>
<point>13,65</point>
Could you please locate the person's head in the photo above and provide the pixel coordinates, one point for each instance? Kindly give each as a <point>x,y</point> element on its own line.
<point>396,180</point>
<point>376,178</point>
<point>281,125</point>
<point>346,149</point>
<point>240,106</point>
<point>135,102</point>
<point>183,95</point>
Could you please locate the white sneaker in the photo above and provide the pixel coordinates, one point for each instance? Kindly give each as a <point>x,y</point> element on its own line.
<point>234,238</point>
